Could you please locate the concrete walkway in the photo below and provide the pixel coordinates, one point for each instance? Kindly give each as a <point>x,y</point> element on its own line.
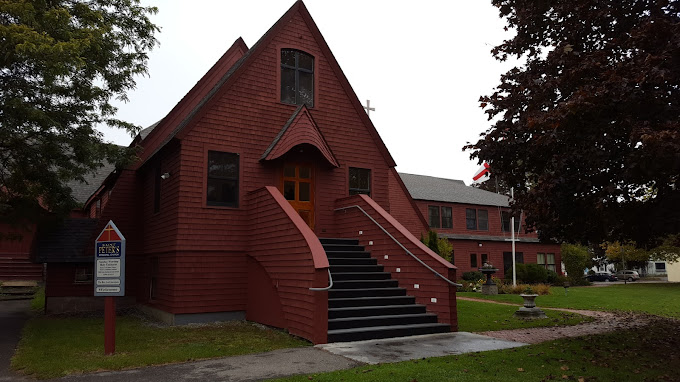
<point>318,359</point>
<point>13,316</point>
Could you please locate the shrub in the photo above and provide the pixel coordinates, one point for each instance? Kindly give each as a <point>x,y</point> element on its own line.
<point>507,288</point>
<point>472,276</point>
<point>576,259</point>
<point>532,274</point>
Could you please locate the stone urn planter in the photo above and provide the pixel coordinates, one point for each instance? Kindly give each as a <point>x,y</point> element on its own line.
<point>529,311</point>
<point>489,287</point>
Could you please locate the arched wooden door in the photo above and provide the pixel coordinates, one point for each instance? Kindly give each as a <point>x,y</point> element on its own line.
<point>298,188</point>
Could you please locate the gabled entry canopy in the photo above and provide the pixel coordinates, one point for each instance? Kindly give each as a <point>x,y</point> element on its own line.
<point>299,129</point>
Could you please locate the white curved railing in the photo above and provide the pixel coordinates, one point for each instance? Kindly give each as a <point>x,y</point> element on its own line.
<point>399,244</point>
<point>330,285</point>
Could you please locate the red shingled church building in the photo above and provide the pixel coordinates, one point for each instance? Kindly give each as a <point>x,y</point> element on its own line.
<point>226,211</point>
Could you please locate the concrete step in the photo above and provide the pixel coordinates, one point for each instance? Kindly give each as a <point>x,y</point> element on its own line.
<point>389,331</point>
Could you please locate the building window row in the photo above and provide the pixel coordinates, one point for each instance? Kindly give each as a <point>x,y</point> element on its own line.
<point>440,217</point>
<point>547,260</point>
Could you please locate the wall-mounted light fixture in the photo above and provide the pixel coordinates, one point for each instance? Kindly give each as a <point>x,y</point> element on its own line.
<point>165,175</point>
<point>480,244</point>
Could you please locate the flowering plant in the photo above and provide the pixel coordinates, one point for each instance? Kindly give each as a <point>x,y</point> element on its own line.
<point>488,266</point>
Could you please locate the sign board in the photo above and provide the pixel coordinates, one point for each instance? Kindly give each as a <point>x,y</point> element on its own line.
<point>109,262</point>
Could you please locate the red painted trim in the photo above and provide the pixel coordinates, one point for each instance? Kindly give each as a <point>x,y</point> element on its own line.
<point>316,33</point>
<point>426,224</point>
<point>315,247</point>
<point>157,138</point>
<point>402,230</point>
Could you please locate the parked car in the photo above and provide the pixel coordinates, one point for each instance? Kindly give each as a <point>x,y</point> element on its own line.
<point>602,276</point>
<point>628,275</point>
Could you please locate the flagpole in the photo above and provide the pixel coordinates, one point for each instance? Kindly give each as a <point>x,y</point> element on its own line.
<point>512,235</point>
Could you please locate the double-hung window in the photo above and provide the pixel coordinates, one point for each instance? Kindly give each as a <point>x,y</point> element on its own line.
<point>433,216</point>
<point>223,176</point>
<point>297,77</point>
<point>471,218</point>
<point>547,260</point>
<point>505,221</point>
<point>447,217</point>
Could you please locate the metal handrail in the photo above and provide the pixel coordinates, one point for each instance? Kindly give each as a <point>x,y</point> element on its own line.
<point>402,247</point>
<point>330,280</point>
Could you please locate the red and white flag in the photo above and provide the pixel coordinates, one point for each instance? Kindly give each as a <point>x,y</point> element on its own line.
<point>482,174</point>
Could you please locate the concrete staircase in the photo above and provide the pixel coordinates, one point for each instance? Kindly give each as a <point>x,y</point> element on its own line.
<point>365,303</point>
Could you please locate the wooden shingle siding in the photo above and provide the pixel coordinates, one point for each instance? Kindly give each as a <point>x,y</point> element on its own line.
<point>294,260</point>
<point>351,220</point>
<point>403,208</point>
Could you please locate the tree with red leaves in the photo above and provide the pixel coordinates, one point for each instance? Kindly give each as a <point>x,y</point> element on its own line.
<point>587,131</point>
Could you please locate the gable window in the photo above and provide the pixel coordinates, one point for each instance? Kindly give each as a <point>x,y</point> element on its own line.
<point>547,260</point>
<point>359,181</point>
<point>505,222</point>
<point>433,215</point>
<point>471,218</point>
<point>223,174</point>
<point>297,77</point>
<point>447,217</point>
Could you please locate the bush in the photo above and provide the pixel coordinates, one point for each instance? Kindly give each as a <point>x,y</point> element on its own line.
<point>532,274</point>
<point>507,288</point>
<point>576,259</point>
<point>473,276</point>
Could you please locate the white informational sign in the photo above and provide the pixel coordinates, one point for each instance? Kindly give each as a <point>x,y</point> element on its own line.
<point>109,262</point>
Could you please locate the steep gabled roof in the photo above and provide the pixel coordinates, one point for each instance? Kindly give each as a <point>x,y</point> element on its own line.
<point>154,137</point>
<point>225,72</point>
<point>299,129</point>
<point>435,189</point>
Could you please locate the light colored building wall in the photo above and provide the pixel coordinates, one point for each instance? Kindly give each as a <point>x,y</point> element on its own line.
<point>673,271</point>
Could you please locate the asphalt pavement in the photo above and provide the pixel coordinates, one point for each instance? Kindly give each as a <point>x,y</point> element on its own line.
<point>13,316</point>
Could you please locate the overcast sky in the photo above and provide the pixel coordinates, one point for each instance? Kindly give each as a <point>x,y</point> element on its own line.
<point>422,64</point>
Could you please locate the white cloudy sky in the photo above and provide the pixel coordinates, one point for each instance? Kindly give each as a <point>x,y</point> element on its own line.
<point>422,64</point>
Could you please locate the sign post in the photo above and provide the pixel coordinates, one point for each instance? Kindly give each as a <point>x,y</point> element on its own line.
<point>109,278</point>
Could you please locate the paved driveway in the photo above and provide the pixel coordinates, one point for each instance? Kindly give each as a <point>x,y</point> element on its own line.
<point>13,316</point>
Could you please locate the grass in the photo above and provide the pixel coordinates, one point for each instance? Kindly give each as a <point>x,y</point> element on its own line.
<point>657,299</point>
<point>55,347</point>
<point>38,301</point>
<point>481,316</point>
<point>633,355</point>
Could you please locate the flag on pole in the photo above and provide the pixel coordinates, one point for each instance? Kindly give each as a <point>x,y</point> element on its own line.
<point>482,174</point>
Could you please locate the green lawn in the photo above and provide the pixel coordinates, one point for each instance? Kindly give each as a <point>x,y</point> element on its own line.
<point>658,299</point>
<point>483,316</point>
<point>54,347</point>
<point>634,355</point>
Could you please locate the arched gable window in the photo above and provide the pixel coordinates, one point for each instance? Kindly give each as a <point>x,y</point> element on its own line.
<point>297,77</point>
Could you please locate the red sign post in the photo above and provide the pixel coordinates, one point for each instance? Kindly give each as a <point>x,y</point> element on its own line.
<point>109,280</point>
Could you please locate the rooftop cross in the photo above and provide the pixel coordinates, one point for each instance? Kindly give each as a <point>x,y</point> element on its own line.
<point>368,107</point>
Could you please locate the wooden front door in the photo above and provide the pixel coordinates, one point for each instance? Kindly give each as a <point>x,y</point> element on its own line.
<point>298,188</point>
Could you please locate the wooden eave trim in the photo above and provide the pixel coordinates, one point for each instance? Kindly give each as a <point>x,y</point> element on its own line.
<point>299,113</point>
<point>199,90</point>
<point>344,82</point>
<point>243,64</point>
